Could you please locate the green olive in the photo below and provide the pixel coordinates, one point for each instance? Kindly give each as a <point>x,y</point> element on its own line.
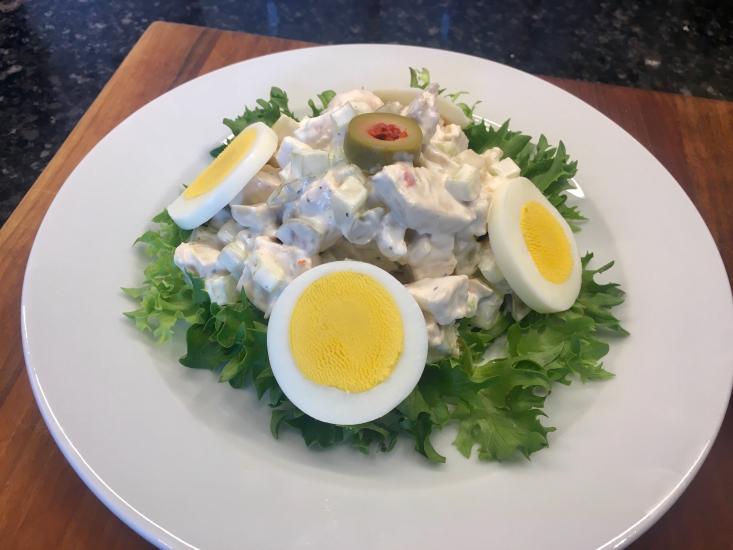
<point>374,140</point>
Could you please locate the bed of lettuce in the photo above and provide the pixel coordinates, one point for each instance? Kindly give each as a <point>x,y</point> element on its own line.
<point>496,406</point>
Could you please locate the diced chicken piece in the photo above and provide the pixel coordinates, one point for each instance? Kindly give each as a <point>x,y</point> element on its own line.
<point>344,250</point>
<point>232,256</point>
<point>363,101</point>
<point>205,235</point>
<point>222,289</point>
<point>445,298</point>
<point>480,210</point>
<point>490,269</point>
<point>268,269</point>
<point>487,311</point>
<point>477,291</point>
<point>491,156</point>
<point>285,152</point>
<point>437,161</point>
<point>197,257</point>
<point>505,168</point>
<point>302,233</point>
<point>315,204</point>
<point>442,340</point>
<point>464,184</point>
<point>417,199</point>
<point>259,218</point>
<point>364,227</point>
<point>285,126</point>
<point>422,109</point>
<point>393,107</point>
<point>449,139</point>
<point>219,219</point>
<point>467,253</point>
<point>431,256</point>
<point>316,131</point>
<point>492,183</point>
<point>228,232</point>
<point>519,309</point>
<point>259,188</point>
<point>472,158</point>
<point>247,238</point>
<point>391,238</point>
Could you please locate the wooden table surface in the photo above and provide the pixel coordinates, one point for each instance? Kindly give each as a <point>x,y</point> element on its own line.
<point>43,504</point>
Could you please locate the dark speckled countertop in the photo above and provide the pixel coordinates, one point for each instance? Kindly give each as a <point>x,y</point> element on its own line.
<point>55,55</point>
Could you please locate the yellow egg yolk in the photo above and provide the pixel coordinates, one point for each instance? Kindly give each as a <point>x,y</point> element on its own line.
<point>222,165</point>
<point>546,241</point>
<point>346,332</point>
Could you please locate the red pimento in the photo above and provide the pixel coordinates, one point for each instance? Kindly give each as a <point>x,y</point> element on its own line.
<point>387,132</point>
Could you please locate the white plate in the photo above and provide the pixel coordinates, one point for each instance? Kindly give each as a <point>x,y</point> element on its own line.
<point>189,462</point>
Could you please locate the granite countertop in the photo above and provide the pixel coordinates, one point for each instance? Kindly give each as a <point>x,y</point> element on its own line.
<point>55,55</point>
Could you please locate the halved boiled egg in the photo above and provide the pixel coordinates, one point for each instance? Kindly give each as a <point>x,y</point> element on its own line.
<point>534,247</point>
<point>226,176</point>
<point>347,342</point>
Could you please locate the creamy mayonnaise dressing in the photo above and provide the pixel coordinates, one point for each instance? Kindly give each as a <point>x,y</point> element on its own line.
<point>309,205</point>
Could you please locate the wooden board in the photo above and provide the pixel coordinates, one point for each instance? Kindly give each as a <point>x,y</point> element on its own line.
<point>43,504</point>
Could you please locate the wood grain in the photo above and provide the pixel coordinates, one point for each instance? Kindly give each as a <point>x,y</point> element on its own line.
<point>43,504</point>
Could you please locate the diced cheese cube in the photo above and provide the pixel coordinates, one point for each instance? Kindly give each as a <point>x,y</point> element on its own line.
<point>464,184</point>
<point>343,114</point>
<point>232,258</point>
<point>469,156</point>
<point>284,127</point>
<point>222,289</point>
<point>308,164</point>
<point>228,231</point>
<point>349,197</point>
<point>287,147</point>
<point>505,168</point>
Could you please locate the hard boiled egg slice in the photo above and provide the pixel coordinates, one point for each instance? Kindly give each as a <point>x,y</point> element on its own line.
<point>448,111</point>
<point>347,342</point>
<point>227,174</point>
<point>534,247</point>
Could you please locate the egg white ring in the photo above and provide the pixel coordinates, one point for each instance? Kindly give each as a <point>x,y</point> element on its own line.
<point>513,256</point>
<point>333,405</point>
<point>191,213</point>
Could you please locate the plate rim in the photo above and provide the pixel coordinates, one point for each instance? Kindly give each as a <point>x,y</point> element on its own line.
<point>138,521</point>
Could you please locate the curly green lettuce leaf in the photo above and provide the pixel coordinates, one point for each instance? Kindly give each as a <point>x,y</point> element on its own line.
<point>265,110</point>
<point>325,98</point>
<point>166,296</point>
<point>495,405</point>
<point>420,78</point>
<point>549,168</point>
<point>498,404</point>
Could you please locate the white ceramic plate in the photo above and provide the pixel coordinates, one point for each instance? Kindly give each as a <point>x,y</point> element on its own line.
<point>188,462</point>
